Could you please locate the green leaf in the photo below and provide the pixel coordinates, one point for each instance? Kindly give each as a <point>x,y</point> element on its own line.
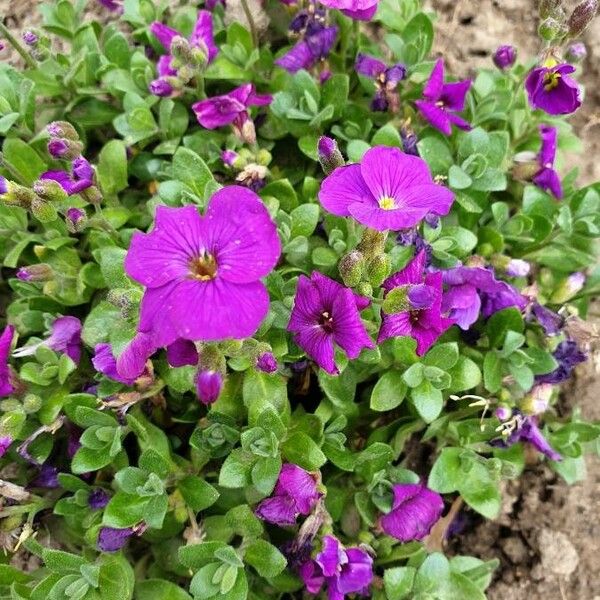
<point>465,375</point>
<point>446,474</point>
<point>458,179</point>
<point>302,450</point>
<point>444,356</point>
<point>509,319</point>
<point>235,471</point>
<point>387,136</point>
<point>23,160</point>
<point>428,401</point>
<point>492,372</point>
<point>112,167</point>
<point>265,558</point>
<point>304,219</point>
<point>195,556</point>
<point>389,391</point>
<point>197,493</point>
<point>436,153</point>
<point>159,589</point>
<point>190,169</point>
<point>398,582</point>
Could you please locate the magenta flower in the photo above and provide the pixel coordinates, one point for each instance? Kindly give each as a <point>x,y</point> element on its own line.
<point>80,178</point>
<point>474,290</point>
<point>325,312</point>
<point>295,494</point>
<point>443,100</point>
<point>387,190</point>
<point>202,274</point>
<point>550,89</point>
<point>231,108</point>
<point>505,57</point>
<point>181,353</point>
<point>65,337</point>
<point>6,386</point>
<point>342,570</point>
<point>386,80</point>
<point>208,385</point>
<point>361,10</point>
<point>547,178</point>
<point>425,325</point>
<point>105,362</point>
<point>414,512</point>
<point>5,442</point>
<point>266,363</point>
<point>315,45</point>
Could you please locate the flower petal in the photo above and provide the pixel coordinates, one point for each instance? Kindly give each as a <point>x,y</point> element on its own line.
<point>343,187</point>
<point>203,32</point>
<point>433,90</point>
<point>163,33</point>
<point>436,116</point>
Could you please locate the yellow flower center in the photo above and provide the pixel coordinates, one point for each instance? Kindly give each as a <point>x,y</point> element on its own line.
<point>387,203</point>
<point>551,80</point>
<point>203,268</point>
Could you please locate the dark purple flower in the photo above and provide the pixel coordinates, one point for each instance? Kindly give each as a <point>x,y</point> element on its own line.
<point>361,10</point>
<point>111,539</point>
<point>413,238</point>
<point>471,290</point>
<point>414,512</point>
<point>46,478</point>
<point>386,80</point>
<point>295,494</point>
<point>426,325</point>
<point>387,190</point>
<point>208,385</point>
<point>315,45</point>
<point>6,386</point>
<point>266,363</point>
<point>80,178</point>
<point>505,57</point>
<point>551,89</point>
<point>568,355</point>
<point>202,274</point>
<point>551,322</point>
<point>98,499</point>
<point>181,353</point>
<point>115,5</point>
<point>443,100</point>
<point>104,362</point>
<point>342,570</point>
<point>327,313</point>
<point>547,178</point>
<point>5,442</point>
<point>409,141</point>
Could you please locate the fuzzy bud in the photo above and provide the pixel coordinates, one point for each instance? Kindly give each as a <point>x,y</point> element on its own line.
<point>231,158</point>
<point>549,29</point>
<point>266,362</point>
<point>62,129</point>
<point>505,57</point>
<point>75,220</point>
<point>263,157</point>
<point>536,402</point>
<point>43,211</point>
<point>64,148</point>
<point>581,17</point>
<point>576,52</point>
<point>568,288</point>
<point>364,289</point>
<point>351,267</point>
<point>247,132</point>
<point>330,156</point>
<point>200,56</point>
<point>40,272</point>
<point>185,73</point>
<point>4,185</point>
<point>517,267</point>
<point>372,242</point>
<point>378,269</point>
<point>181,50</point>
<point>208,386</point>
<point>549,7</point>
<point>160,87</point>
<point>49,190</point>
<point>92,195</point>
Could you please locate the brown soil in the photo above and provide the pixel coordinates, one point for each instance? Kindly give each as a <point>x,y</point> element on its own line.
<point>547,535</point>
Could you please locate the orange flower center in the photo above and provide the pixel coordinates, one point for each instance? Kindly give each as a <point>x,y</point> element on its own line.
<point>203,268</point>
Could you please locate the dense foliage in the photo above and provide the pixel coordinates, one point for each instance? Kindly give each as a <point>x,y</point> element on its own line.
<point>285,302</point>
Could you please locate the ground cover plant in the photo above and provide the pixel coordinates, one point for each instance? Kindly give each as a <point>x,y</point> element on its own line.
<point>285,302</point>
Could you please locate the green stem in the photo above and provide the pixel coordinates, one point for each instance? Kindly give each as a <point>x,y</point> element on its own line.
<point>251,23</point>
<point>17,46</point>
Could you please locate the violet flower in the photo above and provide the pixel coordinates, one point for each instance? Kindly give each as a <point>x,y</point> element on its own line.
<point>576,52</point>
<point>5,442</point>
<point>104,362</point>
<point>551,322</point>
<point>315,45</point>
<point>387,190</point>
<point>386,80</point>
<point>505,56</point>
<point>517,267</point>
<point>425,325</point>
<point>443,100</point>
<point>182,353</point>
<point>98,499</point>
<point>80,178</point>
<point>111,539</point>
<point>360,10</point>
<point>65,337</point>
<point>46,478</point>
<point>327,313</point>
<point>209,384</point>
<point>551,89</point>
<point>568,355</point>
<point>547,178</point>
<point>342,570</point>
<point>295,494</point>
<point>6,386</point>
<point>471,290</point>
<point>266,362</point>
<point>414,512</point>
<point>202,274</point>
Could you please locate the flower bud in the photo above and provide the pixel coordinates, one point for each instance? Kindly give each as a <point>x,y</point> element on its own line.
<point>75,220</point>
<point>378,269</point>
<point>32,403</point>
<point>549,29</point>
<point>264,157</point>
<point>503,413</point>
<point>160,87</point>
<point>43,211</point>
<point>247,132</point>
<point>536,402</point>
<point>4,185</point>
<point>200,55</point>
<point>372,242</point>
<point>432,220</point>
<point>62,129</point>
<point>208,386</point>
<point>581,17</point>
<point>230,157</point>
<point>505,57</point>
<point>49,190</point>
<point>351,267</point>
<point>409,141</point>
<point>517,267</point>
<point>40,272</point>
<point>185,73</point>
<point>266,362</point>
<point>548,7</point>
<point>330,156</point>
<point>181,50</point>
<point>64,148</point>
<point>5,442</point>
<point>568,288</point>
<point>29,37</point>
<point>92,195</point>
<point>576,52</point>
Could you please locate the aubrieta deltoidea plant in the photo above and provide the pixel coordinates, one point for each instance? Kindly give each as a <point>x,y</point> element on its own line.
<point>254,254</point>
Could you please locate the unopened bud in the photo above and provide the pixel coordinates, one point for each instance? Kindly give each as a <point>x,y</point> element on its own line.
<point>505,57</point>
<point>351,267</point>
<point>372,242</point>
<point>160,87</point>
<point>41,272</point>
<point>4,185</point>
<point>525,167</point>
<point>378,269</point>
<point>30,37</point>
<point>330,156</point>
<point>247,132</point>
<point>569,287</point>
<point>503,413</point>
<point>364,289</point>
<point>576,52</point>
<point>536,402</point>
<point>517,267</point>
<point>550,29</point>
<point>581,17</point>
<point>49,190</point>
<point>75,220</point>
<point>43,211</point>
<point>200,56</point>
<point>208,385</point>
<point>185,73</point>
<point>62,129</point>
<point>64,148</point>
<point>264,157</point>
<point>232,159</point>
<point>181,50</point>
<point>266,362</point>
<point>549,7</point>
<point>92,195</point>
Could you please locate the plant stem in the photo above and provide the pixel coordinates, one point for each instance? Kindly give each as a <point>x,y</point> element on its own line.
<point>251,23</point>
<point>12,40</point>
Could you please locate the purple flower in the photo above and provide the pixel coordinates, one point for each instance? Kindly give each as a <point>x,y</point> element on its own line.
<point>386,80</point>
<point>5,442</point>
<point>115,5</point>
<point>46,478</point>
<point>208,385</point>
<point>104,362</point>
<point>551,322</point>
<point>266,363</point>
<point>325,312</point>
<point>421,296</point>
<point>202,274</point>
<point>387,190</point>
<point>229,157</point>
<point>525,429</point>
<point>547,178</point>
<point>568,355</point>
<point>503,413</point>
<point>361,10</point>
<point>161,87</point>
<point>505,57</point>
<point>3,185</point>
<point>231,108</point>
<point>423,325</point>
<point>342,570</point>
<point>315,45</point>
<point>58,147</point>
<point>181,353</point>
<point>98,499</point>
<point>131,363</point>
<point>76,217</point>
<point>295,494</point>
<point>414,512</point>
<point>65,337</point>
<point>409,141</point>
<point>443,100</point>
<point>111,539</point>
<point>471,290</point>
<point>202,35</point>
<point>80,178</point>
<point>30,38</point>
<point>6,386</point>
<point>550,88</point>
